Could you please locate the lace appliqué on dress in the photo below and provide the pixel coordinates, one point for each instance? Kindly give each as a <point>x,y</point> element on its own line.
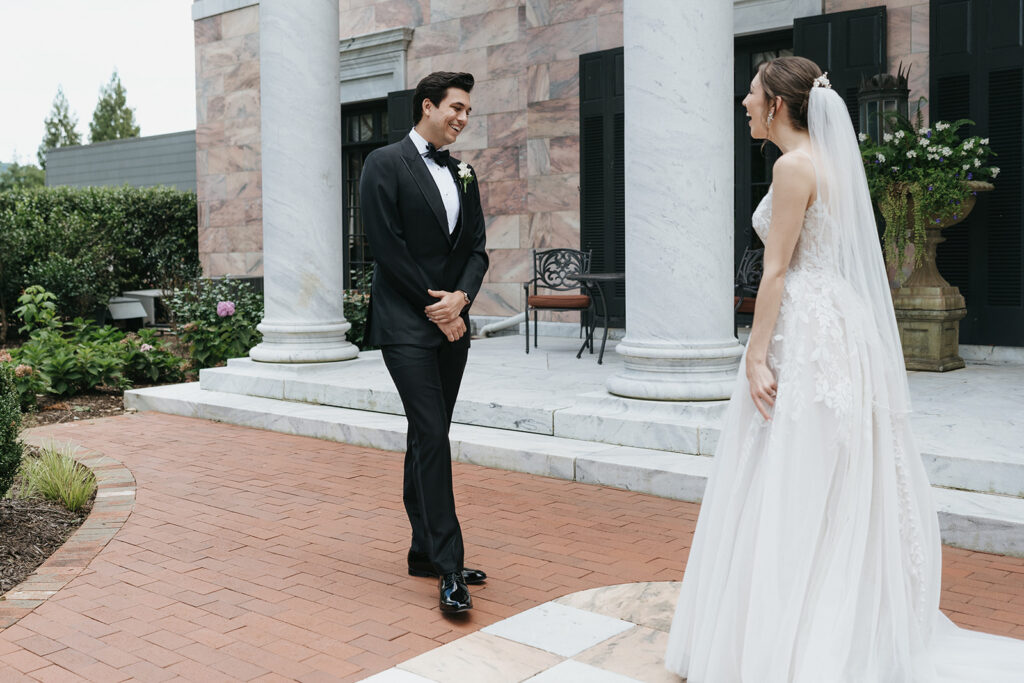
<point>809,302</point>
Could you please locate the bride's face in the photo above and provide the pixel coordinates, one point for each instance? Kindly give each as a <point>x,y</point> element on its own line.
<point>757,109</point>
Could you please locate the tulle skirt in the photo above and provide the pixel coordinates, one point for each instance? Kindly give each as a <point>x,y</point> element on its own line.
<point>816,557</point>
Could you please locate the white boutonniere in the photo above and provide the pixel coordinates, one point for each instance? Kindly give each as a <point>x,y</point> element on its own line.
<point>465,175</point>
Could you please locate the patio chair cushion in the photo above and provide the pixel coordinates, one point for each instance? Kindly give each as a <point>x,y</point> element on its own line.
<point>572,301</point>
<point>748,305</point>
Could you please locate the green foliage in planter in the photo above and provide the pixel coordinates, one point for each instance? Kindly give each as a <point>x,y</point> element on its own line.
<point>918,174</point>
<point>217,319</point>
<point>87,244</point>
<point>69,358</point>
<point>10,426</point>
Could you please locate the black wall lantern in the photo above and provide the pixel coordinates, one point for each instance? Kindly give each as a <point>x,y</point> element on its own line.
<point>880,94</point>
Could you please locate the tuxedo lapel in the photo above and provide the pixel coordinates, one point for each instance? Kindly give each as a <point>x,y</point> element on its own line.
<point>426,184</point>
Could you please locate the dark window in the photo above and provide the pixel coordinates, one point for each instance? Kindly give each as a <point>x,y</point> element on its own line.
<point>602,170</point>
<point>363,129</point>
<point>753,164</point>
<point>977,52</point>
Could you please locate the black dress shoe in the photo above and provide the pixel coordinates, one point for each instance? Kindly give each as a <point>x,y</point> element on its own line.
<point>473,577</point>
<point>454,594</point>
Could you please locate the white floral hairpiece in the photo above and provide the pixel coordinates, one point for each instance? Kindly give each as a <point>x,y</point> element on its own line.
<point>822,81</point>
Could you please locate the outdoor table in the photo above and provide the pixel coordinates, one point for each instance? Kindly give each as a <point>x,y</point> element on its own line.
<point>595,282</point>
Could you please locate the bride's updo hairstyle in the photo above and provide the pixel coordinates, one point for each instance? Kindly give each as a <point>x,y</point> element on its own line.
<point>790,78</point>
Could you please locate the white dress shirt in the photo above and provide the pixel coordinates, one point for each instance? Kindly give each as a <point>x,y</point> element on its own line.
<point>442,178</point>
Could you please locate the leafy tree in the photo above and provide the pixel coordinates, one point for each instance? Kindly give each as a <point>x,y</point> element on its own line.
<point>60,127</point>
<point>113,119</point>
<point>24,177</point>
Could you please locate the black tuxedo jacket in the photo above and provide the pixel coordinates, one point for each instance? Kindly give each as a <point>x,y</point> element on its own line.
<point>407,227</point>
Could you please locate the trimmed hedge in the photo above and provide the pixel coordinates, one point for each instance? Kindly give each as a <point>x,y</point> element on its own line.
<point>10,427</point>
<point>87,244</point>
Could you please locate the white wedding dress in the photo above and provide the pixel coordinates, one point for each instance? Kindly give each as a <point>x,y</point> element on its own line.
<point>816,557</point>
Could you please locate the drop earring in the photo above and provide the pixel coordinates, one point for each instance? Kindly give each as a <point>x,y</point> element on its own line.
<point>771,115</point>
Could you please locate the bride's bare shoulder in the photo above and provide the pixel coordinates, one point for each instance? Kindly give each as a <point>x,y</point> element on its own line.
<point>794,174</point>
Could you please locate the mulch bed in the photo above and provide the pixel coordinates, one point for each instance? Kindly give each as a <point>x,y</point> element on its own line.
<point>32,529</point>
<point>54,410</point>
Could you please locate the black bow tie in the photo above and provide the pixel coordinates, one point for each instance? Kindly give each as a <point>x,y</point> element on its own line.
<point>440,156</point>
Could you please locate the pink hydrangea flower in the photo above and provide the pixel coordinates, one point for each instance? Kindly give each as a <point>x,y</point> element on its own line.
<point>5,357</point>
<point>225,308</point>
<point>23,371</point>
<point>146,347</point>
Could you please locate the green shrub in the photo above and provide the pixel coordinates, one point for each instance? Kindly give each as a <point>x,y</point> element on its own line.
<point>357,308</point>
<point>216,319</point>
<point>80,285</point>
<point>85,244</point>
<point>37,310</point>
<point>74,357</point>
<point>55,475</point>
<point>10,427</point>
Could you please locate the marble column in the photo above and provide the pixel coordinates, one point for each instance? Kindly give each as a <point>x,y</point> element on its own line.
<point>300,124</point>
<point>679,342</point>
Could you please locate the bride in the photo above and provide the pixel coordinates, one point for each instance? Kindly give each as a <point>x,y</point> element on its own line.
<point>817,557</point>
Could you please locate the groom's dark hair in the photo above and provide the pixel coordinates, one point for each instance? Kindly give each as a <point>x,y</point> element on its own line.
<point>435,86</point>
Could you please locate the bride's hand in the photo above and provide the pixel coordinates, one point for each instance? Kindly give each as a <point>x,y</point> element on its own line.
<point>762,386</point>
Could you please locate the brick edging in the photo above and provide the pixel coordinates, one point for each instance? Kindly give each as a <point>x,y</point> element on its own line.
<point>115,500</point>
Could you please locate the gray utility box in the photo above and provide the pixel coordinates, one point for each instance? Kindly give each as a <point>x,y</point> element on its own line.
<point>123,308</point>
<point>147,298</point>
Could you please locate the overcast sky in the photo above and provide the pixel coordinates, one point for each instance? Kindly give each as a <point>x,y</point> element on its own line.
<point>78,44</point>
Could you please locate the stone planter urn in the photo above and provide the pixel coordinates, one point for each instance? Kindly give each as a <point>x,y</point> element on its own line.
<point>929,309</point>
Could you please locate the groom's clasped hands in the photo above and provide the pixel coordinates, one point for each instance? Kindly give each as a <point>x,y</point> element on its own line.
<point>446,313</point>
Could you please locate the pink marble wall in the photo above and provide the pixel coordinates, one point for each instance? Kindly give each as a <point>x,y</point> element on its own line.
<point>523,137</point>
<point>228,143</point>
<point>907,38</point>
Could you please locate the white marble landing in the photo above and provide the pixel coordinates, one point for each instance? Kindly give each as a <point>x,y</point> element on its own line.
<point>557,628</point>
<point>991,523</point>
<point>966,422</point>
<point>613,634</point>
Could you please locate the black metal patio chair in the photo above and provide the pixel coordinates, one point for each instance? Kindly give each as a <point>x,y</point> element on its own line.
<point>553,270</point>
<point>748,279</point>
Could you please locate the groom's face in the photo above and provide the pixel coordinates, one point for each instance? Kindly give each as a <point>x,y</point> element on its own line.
<point>448,119</point>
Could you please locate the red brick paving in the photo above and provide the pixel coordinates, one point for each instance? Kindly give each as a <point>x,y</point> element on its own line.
<point>251,555</point>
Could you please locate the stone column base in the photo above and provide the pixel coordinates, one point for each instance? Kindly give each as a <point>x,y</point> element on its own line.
<point>677,372</point>
<point>298,343</point>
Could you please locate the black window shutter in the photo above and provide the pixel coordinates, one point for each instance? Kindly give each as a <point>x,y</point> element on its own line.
<point>602,169</point>
<point>975,63</point>
<point>951,102</point>
<point>399,114</point>
<point>848,45</point>
<point>1005,102</point>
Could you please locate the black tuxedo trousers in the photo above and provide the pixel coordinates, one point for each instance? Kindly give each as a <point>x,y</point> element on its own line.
<point>407,227</point>
<point>428,381</point>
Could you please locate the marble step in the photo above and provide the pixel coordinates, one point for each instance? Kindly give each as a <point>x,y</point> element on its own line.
<point>966,453</point>
<point>977,521</point>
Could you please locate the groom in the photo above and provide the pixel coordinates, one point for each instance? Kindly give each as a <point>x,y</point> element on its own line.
<point>422,216</point>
